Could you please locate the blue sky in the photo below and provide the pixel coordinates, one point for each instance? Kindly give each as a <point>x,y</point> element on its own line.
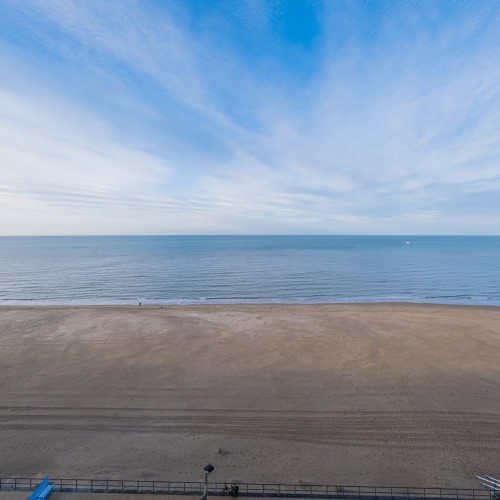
<point>249,117</point>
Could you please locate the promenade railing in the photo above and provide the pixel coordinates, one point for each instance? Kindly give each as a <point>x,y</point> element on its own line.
<point>250,489</point>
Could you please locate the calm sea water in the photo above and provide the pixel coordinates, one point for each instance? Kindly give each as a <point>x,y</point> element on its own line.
<point>249,269</point>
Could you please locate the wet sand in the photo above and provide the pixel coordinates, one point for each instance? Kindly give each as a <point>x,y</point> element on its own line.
<point>376,394</point>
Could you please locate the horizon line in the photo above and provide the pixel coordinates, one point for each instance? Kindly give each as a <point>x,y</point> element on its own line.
<point>239,235</point>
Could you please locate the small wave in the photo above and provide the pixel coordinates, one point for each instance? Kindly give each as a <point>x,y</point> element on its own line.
<point>451,300</point>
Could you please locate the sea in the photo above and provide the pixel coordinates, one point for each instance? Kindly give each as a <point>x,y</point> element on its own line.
<point>88,270</point>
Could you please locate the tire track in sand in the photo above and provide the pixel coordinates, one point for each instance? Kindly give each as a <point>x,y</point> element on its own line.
<point>386,429</point>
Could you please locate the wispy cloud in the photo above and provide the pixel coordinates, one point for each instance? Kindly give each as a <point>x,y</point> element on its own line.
<point>155,118</point>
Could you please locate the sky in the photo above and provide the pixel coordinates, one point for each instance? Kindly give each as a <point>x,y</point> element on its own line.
<point>249,117</point>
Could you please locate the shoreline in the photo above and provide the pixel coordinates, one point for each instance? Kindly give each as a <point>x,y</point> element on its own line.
<point>218,305</point>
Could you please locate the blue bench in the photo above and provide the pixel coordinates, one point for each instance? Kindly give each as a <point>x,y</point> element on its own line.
<point>43,490</point>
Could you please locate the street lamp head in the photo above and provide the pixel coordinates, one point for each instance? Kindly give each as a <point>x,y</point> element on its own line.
<point>208,468</point>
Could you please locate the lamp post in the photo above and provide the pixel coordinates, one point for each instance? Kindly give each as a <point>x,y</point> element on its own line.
<point>208,469</point>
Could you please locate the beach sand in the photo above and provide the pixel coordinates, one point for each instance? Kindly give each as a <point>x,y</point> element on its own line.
<point>375,394</point>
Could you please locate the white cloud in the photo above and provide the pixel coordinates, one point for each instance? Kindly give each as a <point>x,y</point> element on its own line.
<point>347,149</point>
<point>57,158</point>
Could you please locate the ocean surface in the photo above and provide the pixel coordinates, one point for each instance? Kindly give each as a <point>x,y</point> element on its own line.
<point>249,269</point>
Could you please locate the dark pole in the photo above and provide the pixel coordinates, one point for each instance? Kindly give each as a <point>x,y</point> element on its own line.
<point>208,469</point>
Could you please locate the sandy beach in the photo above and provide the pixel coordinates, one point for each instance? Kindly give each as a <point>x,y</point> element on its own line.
<point>376,394</point>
